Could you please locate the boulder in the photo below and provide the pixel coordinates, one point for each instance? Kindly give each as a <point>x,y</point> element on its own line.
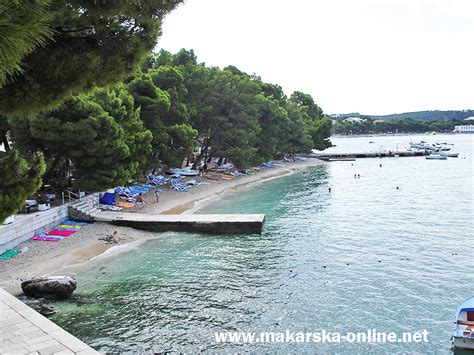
<point>51,287</point>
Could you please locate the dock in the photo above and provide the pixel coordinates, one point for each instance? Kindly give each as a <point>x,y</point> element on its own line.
<point>200,223</point>
<point>352,156</point>
<point>25,331</point>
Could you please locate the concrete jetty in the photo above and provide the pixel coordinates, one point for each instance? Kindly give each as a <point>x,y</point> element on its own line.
<point>352,156</point>
<point>205,223</point>
<point>25,331</point>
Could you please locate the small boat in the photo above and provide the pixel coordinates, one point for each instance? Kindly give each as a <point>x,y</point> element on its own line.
<point>436,156</point>
<point>183,172</point>
<point>450,155</point>
<point>463,327</point>
<point>371,142</point>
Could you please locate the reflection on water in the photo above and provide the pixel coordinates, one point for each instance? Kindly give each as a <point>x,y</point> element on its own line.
<point>362,256</point>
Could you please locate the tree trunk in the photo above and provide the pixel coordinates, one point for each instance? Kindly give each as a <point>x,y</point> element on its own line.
<point>3,136</point>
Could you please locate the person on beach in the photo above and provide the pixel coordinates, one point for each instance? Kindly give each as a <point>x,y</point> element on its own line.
<point>204,169</point>
<point>140,199</point>
<point>115,237</point>
<point>157,195</point>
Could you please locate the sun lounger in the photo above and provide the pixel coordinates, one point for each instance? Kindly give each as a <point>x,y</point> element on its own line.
<point>176,185</point>
<point>158,180</point>
<point>125,192</point>
<point>269,165</point>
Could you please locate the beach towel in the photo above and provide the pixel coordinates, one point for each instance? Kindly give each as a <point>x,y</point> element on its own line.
<point>45,238</point>
<point>74,223</point>
<point>67,229</point>
<point>10,253</point>
<point>124,204</point>
<point>140,188</point>
<point>61,232</point>
<point>68,226</point>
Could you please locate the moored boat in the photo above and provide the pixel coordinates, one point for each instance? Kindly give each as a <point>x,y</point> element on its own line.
<point>450,155</point>
<point>463,327</point>
<point>183,172</point>
<point>436,156</point>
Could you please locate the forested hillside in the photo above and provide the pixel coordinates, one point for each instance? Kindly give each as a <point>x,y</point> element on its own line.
<point>418,115</point>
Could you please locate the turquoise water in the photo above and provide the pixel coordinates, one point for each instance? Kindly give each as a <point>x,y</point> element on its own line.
<point>362,256</point>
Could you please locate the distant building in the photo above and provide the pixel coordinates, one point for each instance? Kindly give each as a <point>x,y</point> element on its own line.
<point>354,119</point>
<point>464,129</point>
<point>379,121</point>
<point>469,118</point>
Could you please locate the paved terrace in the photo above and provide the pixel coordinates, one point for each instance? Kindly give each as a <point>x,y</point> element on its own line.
<point>25,331</point>
<point>207,223</point>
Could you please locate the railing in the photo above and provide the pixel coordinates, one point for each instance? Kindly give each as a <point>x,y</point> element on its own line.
<point>70,195</point>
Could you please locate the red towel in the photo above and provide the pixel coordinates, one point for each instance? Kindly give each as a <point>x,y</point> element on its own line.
<point>61,232</point>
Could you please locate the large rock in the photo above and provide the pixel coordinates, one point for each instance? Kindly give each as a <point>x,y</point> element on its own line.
<point>49,287</point>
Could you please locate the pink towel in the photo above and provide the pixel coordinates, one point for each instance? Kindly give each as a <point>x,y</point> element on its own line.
<point>46,239</point>
<point>61,232</point>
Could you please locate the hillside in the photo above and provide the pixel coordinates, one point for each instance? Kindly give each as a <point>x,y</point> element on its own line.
<point>419,115</point>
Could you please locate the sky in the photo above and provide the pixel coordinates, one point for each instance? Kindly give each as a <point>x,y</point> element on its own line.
<point>368,56</point>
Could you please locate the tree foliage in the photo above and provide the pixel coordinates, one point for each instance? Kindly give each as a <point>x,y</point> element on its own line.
<point>94,43</point>
<point>24,25</point>
<point>405,125</point>
<point>19,178</point>
<point>99,136</point>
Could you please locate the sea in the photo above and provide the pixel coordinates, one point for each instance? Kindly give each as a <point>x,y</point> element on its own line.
<point>391,251</point>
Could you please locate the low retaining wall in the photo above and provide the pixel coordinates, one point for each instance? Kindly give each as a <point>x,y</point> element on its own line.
<point>26,226</point>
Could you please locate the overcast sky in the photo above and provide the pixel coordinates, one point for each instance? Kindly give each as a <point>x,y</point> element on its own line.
<point>367,56</point>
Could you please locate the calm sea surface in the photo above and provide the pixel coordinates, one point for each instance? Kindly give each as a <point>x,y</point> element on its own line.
<point>364,256</point>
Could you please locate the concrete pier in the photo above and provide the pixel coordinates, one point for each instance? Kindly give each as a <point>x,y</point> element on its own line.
<point>202,223</point>
<point>351,156</point>
<point>25,331</point>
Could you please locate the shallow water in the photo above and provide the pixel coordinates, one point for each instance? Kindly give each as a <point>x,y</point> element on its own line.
<point>363,256</point>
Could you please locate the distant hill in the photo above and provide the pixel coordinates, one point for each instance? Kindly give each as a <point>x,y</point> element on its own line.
<point>419,115</point>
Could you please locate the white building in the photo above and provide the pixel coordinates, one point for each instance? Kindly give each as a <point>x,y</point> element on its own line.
<point>354,119</point>
<point>464,129</point>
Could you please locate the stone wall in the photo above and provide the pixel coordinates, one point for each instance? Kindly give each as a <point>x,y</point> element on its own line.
<point>26,226</point>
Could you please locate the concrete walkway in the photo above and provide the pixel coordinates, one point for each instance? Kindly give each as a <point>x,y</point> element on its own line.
<point>25,331</point>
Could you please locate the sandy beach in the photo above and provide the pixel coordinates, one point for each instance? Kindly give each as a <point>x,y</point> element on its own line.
<point>46,258</point>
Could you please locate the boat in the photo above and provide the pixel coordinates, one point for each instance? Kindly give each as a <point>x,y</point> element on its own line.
<point>463,326</point>
<point>450,155</point>
<point>371,142</point>
<point>436,156</point>
<point>183,172</point>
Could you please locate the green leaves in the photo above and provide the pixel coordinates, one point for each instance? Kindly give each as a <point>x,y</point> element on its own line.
<point>19,178</point>
<point>24,25</point>
<point>93,44</point>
